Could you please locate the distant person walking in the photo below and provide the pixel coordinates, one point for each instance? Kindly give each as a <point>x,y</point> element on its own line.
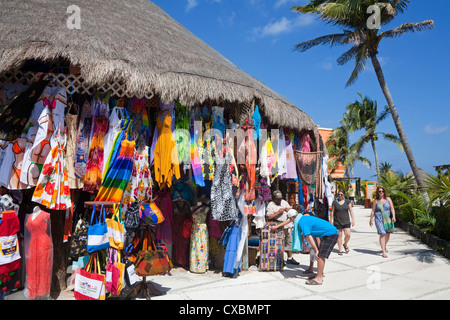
<point>341,210</point>
<point>381,204</point>
<point>351,194</point>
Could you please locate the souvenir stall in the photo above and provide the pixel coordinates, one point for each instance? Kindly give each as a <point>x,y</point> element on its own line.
<point>135,175</point>
<point>120,171</point>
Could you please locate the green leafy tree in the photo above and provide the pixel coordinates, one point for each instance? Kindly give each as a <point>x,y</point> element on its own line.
<point>364,38</point>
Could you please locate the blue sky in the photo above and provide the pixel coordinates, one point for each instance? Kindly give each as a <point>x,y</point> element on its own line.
<point>259,36</point>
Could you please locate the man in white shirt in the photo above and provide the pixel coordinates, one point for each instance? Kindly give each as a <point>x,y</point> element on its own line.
<point>277,211</point>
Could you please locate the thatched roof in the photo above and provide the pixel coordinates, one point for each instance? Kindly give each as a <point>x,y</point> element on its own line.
<point>135,42</point>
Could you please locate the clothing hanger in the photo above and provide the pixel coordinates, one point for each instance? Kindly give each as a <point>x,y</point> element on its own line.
<point>35,213</point>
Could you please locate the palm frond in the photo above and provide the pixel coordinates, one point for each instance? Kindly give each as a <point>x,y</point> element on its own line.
<point>394,139</point>
<point>360,62</point>
<point>364,161</point>
<point>350,54</point>
<point>408,27</point>
<point>383,115</point>
<point>331,39</point>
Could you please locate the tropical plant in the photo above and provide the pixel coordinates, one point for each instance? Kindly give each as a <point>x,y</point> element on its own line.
<point>352,17</point>
<point>363,115</point>
<point>438,188</point>
<point>399,187</point>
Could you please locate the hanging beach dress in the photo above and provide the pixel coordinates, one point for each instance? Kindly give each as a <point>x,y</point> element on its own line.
<point>119,172</point>
<point>140,185</point>
<point>197,169</point>
<point>223,203</point>
<point>166,156</point>
<point>94,166</point>
<point>198,262</point>
<point>52,189</point>
<point>83,138</point>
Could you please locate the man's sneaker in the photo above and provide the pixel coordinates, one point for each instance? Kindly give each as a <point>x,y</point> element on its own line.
<point>292,261</point>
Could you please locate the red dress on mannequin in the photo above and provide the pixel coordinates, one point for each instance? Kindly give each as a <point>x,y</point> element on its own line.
<point>38,254</point>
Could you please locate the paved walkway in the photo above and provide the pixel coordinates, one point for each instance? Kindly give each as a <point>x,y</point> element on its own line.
<point>412,271</point>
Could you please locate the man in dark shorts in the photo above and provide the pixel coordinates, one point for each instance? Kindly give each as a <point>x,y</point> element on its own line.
<point>313,227</point>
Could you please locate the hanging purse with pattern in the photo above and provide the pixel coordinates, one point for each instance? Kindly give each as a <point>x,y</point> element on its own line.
<point>150,261</point>
<point>150,213</point>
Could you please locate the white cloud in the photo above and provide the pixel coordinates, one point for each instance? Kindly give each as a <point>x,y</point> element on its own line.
<point>430,129</point>
<point>227,20</point>
<point>284,25</point>
<point>191,4</point>
<point>325,65</point>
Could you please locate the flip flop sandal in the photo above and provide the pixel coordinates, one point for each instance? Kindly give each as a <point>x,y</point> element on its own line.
<point>347,250</point>
<point>312,277</point>
<point>313,282</point>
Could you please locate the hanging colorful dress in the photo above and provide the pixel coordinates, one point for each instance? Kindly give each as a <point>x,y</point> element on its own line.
<point>83,139</point>
<point>166,156</point>
<point>198,261</point>
<point>181,134</point>
<point>52,189</point>
<point>119,173</point>
<point>140,185</point>
<point>223,203</point>
<point>94,166</point>
<point>71,122</point>
<point>196,142</point>
<point>115,127</point>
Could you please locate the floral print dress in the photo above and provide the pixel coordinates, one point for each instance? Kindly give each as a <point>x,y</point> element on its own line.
<point>140,185</point>
<point>52,189</point>
<point>198,260</point>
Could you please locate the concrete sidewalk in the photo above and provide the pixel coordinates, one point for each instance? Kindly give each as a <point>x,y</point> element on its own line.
<point>412,271</point>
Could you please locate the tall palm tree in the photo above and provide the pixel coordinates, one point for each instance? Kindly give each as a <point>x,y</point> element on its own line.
<point>363,115</point>
<point>352,17</point>
<point>340,151</point>
<point>385,167</point>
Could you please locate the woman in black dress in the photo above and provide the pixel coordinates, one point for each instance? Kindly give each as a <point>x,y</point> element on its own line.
<point>341,210</point>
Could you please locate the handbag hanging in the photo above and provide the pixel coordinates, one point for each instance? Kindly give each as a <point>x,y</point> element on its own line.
<point>150,261</point>
<point>90,285</point>
<point>116,229</point>
<point>112,273</point>
<point>78,243</point>
<point>97,233</point>
<point>10,259</point>
<point>121,266</point>
<point>131,220</point>
<point>150,213</point>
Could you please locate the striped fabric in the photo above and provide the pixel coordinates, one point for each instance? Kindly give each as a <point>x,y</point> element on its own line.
<point>118,174</point>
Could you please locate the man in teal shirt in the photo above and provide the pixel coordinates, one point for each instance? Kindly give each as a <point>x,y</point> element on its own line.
<point>313,227</point>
